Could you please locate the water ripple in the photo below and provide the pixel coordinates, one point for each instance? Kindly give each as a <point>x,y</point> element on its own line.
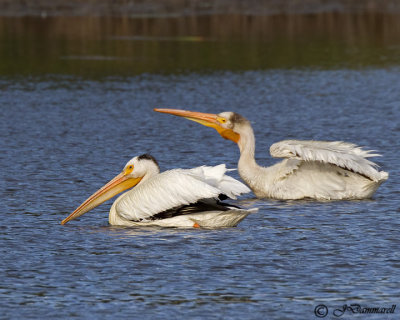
<point>65,137</point>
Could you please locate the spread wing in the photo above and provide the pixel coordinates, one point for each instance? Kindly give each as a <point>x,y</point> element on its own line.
<point>345,155</point>
<point>175,188</point>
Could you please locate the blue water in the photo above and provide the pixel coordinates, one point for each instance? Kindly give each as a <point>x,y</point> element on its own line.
<point>63,137</point>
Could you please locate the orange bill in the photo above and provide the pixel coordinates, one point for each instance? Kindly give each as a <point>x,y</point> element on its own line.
<point>120,183</point>
<point>206,119</point>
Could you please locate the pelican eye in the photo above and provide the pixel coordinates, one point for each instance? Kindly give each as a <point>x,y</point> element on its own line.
<point>129,169</point>
<point>221,120</point>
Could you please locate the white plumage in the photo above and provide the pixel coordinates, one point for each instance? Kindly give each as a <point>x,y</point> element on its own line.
<point>175,188</point>
<point>339,153</point>
<point>174,198</point>
<point>312,169</point>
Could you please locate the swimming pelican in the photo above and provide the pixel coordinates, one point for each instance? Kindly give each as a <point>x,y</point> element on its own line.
<point>174,198</point>
<point>312,169</point>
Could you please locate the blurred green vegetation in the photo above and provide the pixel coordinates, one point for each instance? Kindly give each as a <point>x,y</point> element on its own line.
<point>123,46</point>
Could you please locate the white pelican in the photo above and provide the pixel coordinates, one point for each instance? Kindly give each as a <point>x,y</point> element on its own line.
<point>312,169</point>
<point>174,198</point>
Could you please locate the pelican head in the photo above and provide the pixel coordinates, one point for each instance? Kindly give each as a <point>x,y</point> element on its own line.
<point>228,124</point>
<point>136,170</point>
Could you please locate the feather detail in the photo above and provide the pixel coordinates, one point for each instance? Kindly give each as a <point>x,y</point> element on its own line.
<point>288,167</point>
<point>176,188</point>
<point>345,155</point>
<point>216,177</point>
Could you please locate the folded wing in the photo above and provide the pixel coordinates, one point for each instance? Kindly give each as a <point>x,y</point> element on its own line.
<point>216,177</point>
<point>175,188</point>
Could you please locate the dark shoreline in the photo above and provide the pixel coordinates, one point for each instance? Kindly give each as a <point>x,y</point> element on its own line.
<point>96,46</point>
<point>346,27</point>
<point>179,8</point>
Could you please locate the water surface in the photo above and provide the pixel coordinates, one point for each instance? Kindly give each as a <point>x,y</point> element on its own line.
<point>63,137</point>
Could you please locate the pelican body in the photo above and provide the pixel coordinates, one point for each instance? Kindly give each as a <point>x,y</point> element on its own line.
<point>174,198</point>
<point>311,169</point>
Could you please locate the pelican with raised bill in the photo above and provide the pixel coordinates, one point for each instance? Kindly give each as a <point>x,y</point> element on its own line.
<point>319,170</point>
<point>174,198</point>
